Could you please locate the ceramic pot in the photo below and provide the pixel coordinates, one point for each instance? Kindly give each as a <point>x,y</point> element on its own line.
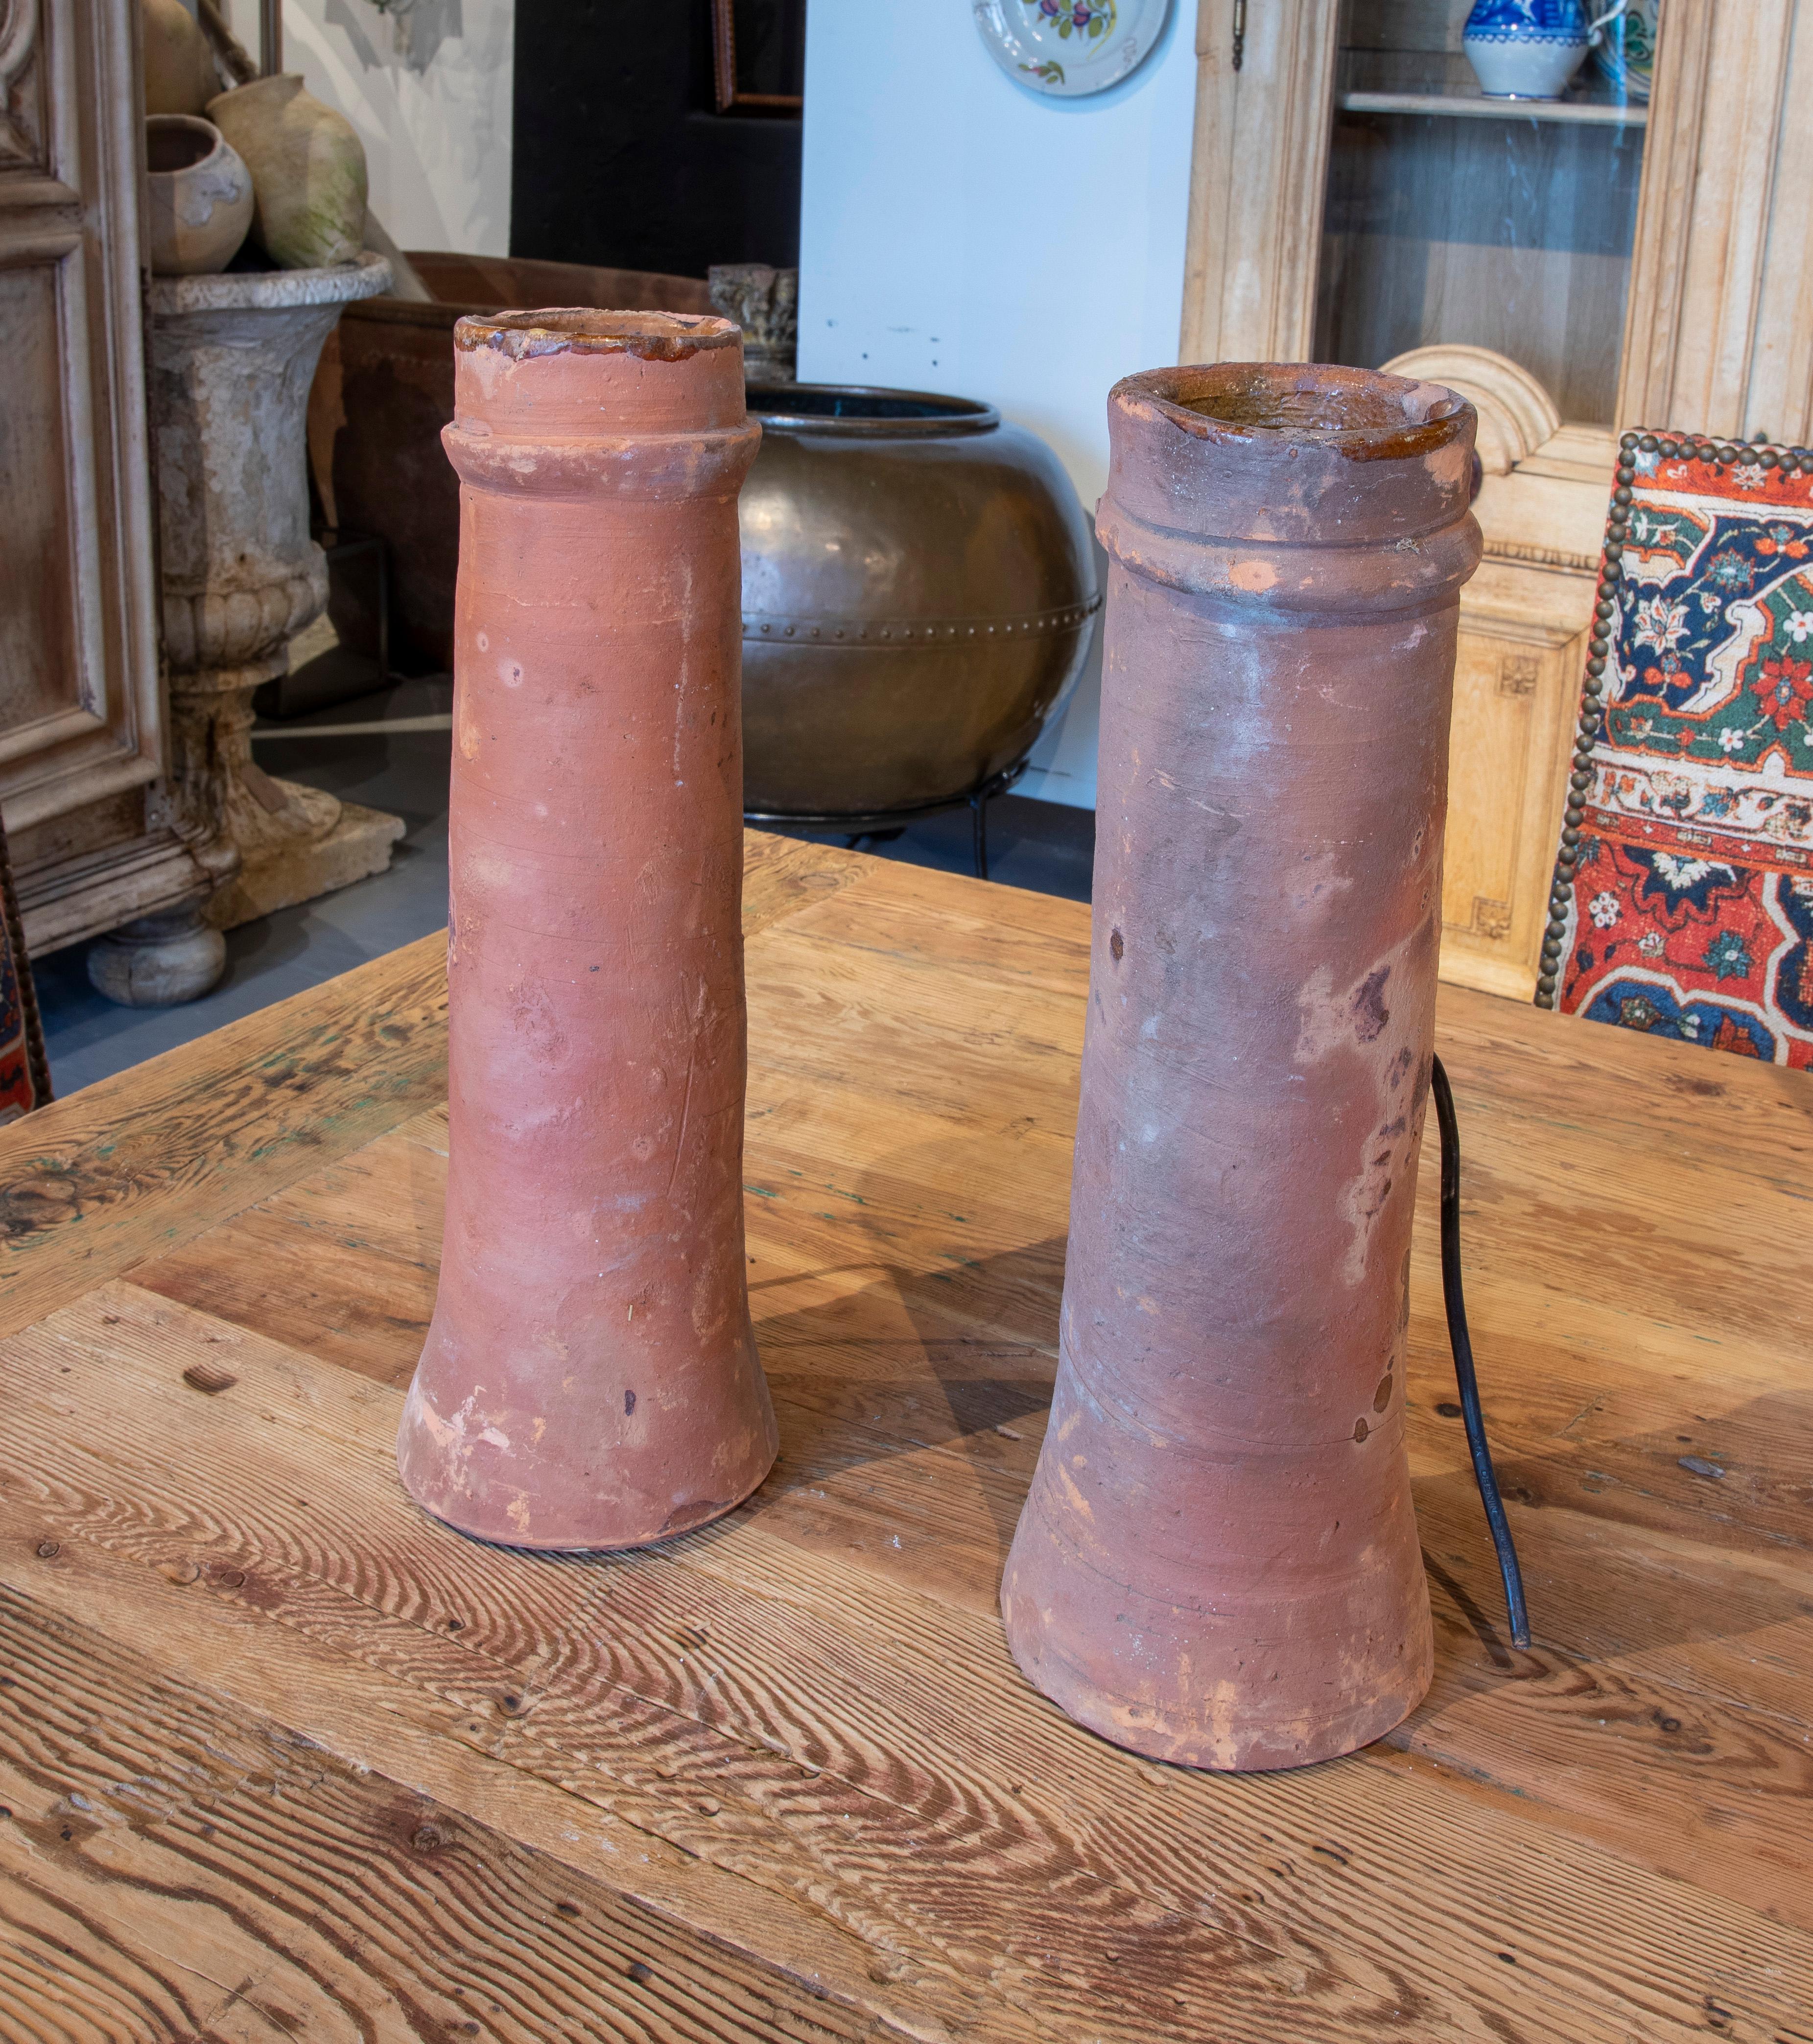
<point>1530,49</point>
<point>179,73</point>
<point>1626,51</point>
<point>1218,1561</point>
<point>197,196</point>
<point>308,171</point>
<point>590,1378</point>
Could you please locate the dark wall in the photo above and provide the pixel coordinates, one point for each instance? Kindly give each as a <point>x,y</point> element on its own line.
<point>619,157</point>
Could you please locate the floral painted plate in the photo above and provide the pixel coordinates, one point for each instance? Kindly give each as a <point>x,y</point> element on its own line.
<point>1068,47</point>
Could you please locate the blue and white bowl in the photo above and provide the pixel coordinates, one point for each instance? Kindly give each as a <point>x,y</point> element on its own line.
<point>1527,49</point>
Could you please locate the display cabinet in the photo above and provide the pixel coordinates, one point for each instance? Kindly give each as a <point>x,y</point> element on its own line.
<point>1576,266</point>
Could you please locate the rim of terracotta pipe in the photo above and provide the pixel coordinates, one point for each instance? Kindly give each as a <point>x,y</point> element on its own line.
<point>1361,413</point>
<point>588,330</point>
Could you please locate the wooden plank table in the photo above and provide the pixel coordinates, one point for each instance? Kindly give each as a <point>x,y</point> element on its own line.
<point>281,1757</point>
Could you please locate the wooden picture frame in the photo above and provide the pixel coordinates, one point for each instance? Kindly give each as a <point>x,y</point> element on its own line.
<point>730,98</point>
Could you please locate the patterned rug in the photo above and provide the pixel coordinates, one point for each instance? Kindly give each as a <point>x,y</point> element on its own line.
<point>1683,903</point>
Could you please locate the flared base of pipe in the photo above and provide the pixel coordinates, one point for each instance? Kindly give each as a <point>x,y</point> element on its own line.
<point>1175,1684</point>
<point>592,1542</point>
<point>563,1500</point>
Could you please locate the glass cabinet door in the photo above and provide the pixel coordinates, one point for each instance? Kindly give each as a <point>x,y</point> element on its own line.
<point>1454,217</point>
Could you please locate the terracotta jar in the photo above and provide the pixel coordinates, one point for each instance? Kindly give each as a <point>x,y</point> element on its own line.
<point>590,1378</point>
<point>383,393</point>
<point>1218,1563</point>
<point>176,64</point>
<point>308,170</point>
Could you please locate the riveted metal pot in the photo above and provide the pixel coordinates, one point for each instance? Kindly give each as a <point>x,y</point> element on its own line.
<point>918,598</point>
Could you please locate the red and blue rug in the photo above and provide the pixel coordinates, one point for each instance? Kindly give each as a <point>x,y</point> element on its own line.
<point>1683,904</point>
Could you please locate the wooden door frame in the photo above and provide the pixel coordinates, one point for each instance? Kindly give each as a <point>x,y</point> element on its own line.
<point>1720,318</point>
<point>70,197</point>
<point>1259,168</point>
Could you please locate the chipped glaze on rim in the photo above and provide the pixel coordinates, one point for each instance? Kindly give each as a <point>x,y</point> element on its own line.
<point>1360,413</point>
<point>586,330</point>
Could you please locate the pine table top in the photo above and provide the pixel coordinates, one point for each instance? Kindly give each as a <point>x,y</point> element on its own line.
<point>280,1757</point>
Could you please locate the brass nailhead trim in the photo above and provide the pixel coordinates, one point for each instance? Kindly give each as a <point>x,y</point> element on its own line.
<point>931,631</point>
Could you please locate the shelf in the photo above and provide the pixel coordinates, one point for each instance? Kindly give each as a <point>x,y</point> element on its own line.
<point>1470,106</point>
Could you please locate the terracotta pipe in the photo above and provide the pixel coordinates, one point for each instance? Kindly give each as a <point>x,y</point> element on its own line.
<point>1218,1562</point>
<point>590,1379</point>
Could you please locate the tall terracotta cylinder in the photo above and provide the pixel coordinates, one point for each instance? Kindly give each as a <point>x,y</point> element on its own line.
<point>590,1378</point>
<point>1218,1563</point>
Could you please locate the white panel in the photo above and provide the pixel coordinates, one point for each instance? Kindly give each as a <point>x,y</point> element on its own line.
<point>961,234</point>
<point>429,88</point>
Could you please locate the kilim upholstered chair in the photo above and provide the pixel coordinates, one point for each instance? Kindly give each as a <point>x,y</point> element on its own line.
<point>1683,899</point>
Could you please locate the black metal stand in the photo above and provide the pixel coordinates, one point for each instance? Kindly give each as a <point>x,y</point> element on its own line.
<point>1458,1339</point>
<point>883,825</point>
<point>979,831</point>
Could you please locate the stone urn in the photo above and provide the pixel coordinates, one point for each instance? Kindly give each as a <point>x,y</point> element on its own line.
<point>232,358</point>
<point>1218,1562</point>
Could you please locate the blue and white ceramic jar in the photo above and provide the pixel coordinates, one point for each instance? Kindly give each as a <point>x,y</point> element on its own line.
<point>1530,49</point>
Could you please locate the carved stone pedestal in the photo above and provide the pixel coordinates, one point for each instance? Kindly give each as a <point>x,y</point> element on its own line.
<point>232,358</point>
<point>293,841</point>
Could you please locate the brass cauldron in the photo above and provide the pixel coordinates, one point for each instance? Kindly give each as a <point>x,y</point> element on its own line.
<point>918,595</point>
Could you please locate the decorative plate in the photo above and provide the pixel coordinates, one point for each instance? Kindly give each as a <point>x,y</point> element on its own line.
<point>1069,48</point>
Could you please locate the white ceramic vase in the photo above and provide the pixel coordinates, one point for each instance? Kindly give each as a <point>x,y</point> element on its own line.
<point>1627,53</point>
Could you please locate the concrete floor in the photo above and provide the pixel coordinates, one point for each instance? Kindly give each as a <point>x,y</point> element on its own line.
<point>1038,845</point>
<point>89,1037</point>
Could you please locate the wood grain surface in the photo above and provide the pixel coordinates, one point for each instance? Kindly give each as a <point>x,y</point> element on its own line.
<point>785,1765</point>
